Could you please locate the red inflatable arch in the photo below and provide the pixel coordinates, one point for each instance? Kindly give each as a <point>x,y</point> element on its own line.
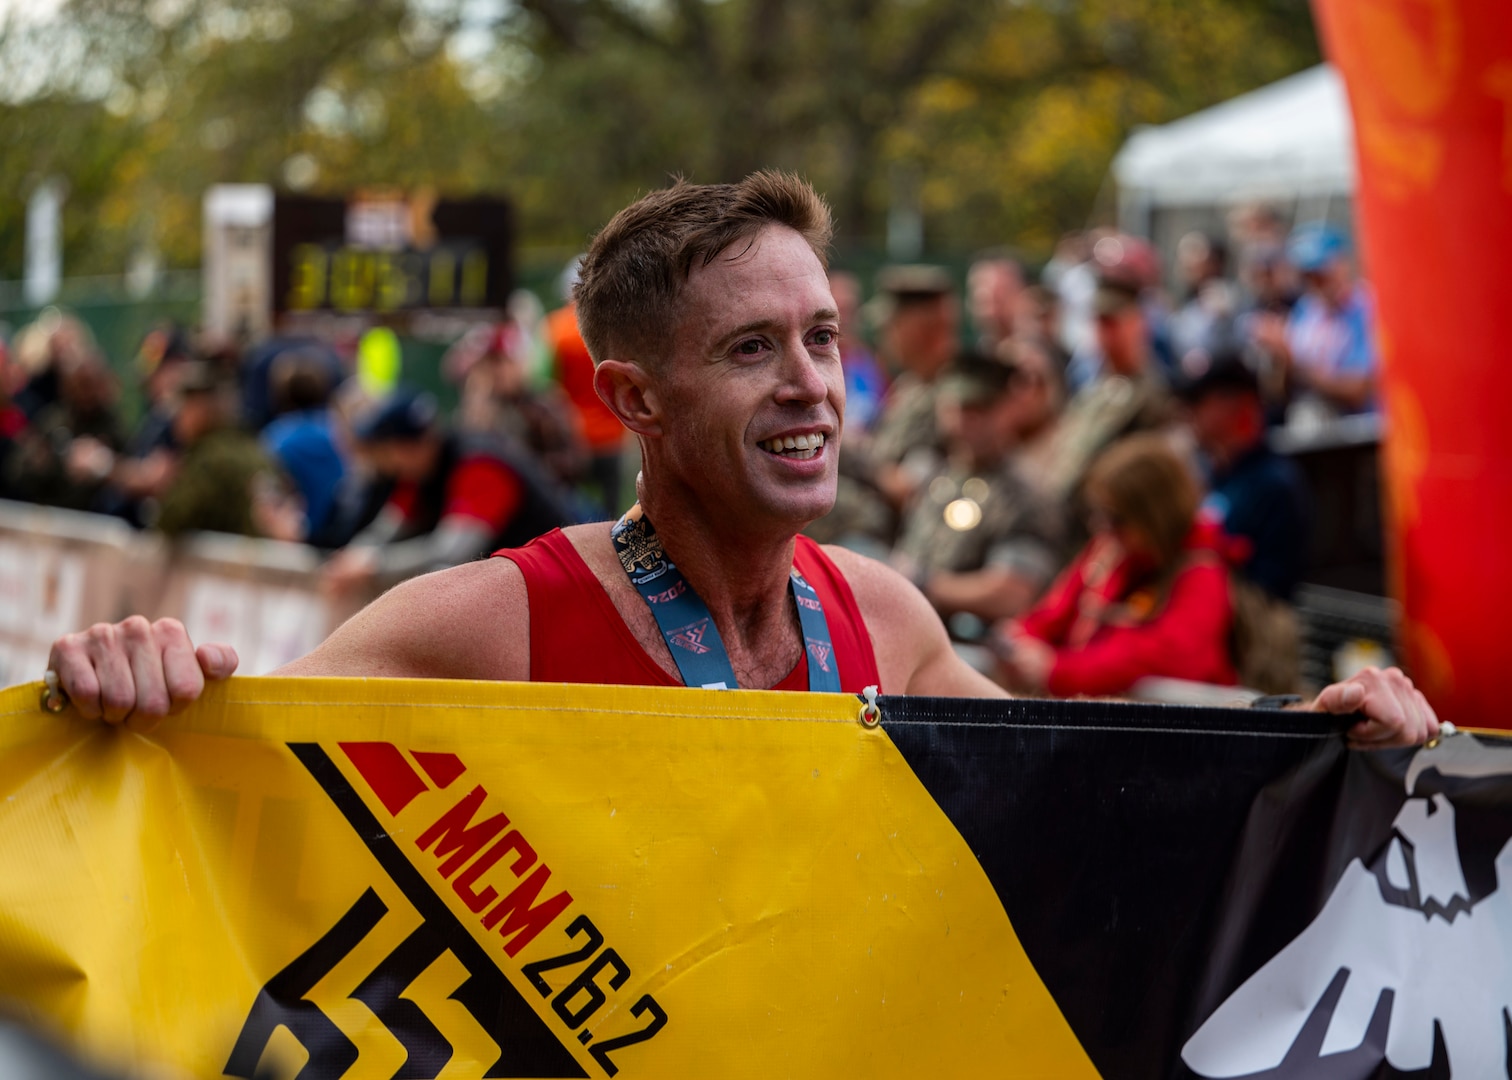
<point>1430,86</point>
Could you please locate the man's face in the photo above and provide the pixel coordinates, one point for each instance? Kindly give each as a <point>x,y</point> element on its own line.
<point>194,418</point>
<point>921,335</point>
<point>1224,421</point>
<point>1194,260</point>
<point>754,365</point>
<point>403,460</point>
<point>1211,417</point>
<point>980,430</point>
<point>1265,278</point>
<point>847,292</point>
<point>993,286</point>
<point>1031,401</point>
<point>1035,316</point>
<point>509,380</point>
<point>1331,281</point>
<point>1123,339</point>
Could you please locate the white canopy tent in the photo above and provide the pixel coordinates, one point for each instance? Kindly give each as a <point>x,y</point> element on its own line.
<point>1289,142</point>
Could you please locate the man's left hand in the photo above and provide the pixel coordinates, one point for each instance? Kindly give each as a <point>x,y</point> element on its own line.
<point>1396,713</point>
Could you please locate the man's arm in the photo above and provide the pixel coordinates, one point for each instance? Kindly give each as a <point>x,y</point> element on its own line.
<point>913,651</point>
<point>1352,382</point>
<point>993,592</point>
<point>1349,391</point>
<point>481,497</point>
<point>454,541</point>
<point>1015,571</point>
<point>468,622</point>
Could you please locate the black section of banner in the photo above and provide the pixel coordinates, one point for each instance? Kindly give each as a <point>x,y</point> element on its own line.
<point>1303,837</point>
<point>426,1049</point>
<point>527,1046</point>
<point>1154,859</point>
<point>281,1001</point>
<point>1107,831</point>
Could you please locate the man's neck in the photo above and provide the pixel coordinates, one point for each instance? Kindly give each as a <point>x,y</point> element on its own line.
<point>978,464</point>
<point>1130,367</point>
<point>741,577</point>
<point>1337,297</point>
<point>926,366</point>
<point>1031,432</point>
<point>1229,452</point>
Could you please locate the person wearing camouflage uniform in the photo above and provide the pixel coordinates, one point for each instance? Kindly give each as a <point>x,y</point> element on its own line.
<point>979,540</point>
<point>1127,395</point>
<point>218,477</point>
<point>881,471</point>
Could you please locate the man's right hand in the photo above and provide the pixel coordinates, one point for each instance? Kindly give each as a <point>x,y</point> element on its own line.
<point>136,672</point>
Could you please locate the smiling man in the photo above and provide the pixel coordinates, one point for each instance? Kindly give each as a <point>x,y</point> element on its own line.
<point>717,343</point>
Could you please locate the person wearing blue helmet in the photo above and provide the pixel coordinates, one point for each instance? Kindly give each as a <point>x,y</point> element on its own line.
<point>1326,349</point>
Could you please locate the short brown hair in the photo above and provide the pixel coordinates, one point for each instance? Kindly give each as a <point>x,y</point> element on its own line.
<point>1142,480</point>
<point>638,264</point>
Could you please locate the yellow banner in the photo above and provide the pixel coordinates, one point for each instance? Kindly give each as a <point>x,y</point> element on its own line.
<point>379,878</point>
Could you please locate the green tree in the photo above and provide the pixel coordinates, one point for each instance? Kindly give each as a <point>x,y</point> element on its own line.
<point>1007,111</point>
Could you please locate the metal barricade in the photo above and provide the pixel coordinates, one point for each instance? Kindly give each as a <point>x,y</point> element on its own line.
<point>61,570</point>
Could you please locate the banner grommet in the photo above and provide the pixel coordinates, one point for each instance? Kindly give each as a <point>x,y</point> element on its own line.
<point>871,713</point>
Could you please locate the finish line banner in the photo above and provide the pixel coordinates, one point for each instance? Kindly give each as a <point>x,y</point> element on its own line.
<point>369,878</point>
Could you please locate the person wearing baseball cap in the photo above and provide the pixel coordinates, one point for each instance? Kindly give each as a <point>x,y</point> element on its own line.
<point>1326,348</point>
<point>1129,391</point>
<point>219,469</point>
<point>980,541</point>
<point>454,495</point>
<point>602,432</point>
<point>1258,495</point>
<point>994,283</point>
<point>918,312</point>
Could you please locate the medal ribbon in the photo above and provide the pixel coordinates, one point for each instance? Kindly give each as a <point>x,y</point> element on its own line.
<point>686,623</point>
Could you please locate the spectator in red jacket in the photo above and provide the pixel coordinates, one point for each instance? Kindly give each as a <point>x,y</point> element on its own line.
<point>1148,595</point>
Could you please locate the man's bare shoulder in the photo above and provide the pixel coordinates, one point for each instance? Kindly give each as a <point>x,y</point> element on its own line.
<point>875,584</point>
<point>593,544</point>
<point>467,622</point>
<point>913,651</point>
<point>902,623</point>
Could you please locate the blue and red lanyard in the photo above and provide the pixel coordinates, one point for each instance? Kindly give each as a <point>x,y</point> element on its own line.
<point>686,623</point>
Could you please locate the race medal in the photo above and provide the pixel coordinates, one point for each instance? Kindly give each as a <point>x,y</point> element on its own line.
<point>684,620</point>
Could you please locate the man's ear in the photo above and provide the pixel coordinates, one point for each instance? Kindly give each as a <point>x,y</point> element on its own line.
<point>630,392</point>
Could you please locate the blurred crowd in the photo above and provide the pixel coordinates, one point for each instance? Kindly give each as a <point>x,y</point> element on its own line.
<point>1085,489</point>
<point>318,442</point>
<point>1074,470</point>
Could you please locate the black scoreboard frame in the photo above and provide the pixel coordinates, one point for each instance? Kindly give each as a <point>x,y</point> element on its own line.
<point>469,267</point>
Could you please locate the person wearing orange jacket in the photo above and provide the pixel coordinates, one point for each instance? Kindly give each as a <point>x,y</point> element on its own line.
<point>601,429</point>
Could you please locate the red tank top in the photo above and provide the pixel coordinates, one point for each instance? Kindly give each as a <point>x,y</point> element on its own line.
<point>577,635</point>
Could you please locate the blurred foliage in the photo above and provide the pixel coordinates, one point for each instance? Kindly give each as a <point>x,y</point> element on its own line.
<point>1006,111</point>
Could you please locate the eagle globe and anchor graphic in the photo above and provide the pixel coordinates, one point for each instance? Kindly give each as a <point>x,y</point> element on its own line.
<point>1407,965</point>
